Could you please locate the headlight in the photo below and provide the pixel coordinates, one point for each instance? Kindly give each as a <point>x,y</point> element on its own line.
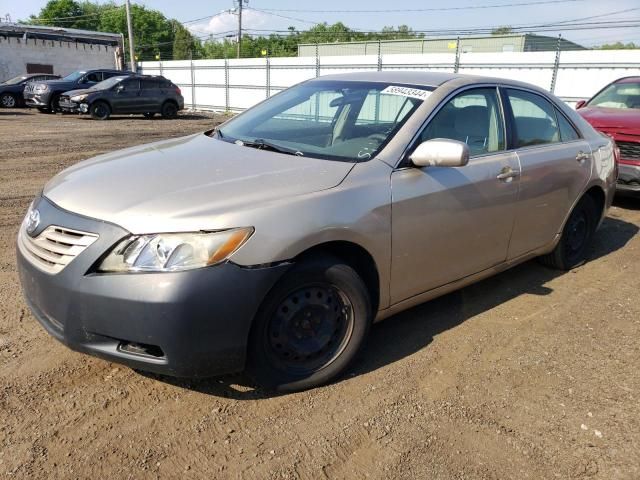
<point>170,252</point>
<point>41,87</point>
<point>79,98</point>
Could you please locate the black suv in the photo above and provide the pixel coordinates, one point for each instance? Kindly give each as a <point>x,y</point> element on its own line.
<point>11,90</point>
<point>45,95</point>
<point>145,94</point>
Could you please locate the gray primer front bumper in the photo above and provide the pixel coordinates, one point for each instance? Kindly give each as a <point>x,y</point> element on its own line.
<point>200,318</point>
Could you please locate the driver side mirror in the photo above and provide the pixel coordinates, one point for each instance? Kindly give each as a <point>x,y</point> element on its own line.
<point>440,152</point>
<point>580,104</point>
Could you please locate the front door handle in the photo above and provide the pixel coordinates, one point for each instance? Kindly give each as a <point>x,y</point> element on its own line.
<point>582,156</point>
<point>507,174</point>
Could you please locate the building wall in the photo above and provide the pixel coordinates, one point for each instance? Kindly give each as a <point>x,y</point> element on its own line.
<point>65,57</point>
<point>490,44</point>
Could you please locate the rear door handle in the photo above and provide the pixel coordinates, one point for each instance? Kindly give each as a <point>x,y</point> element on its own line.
<point>582,156</point>
<point>507,174</point>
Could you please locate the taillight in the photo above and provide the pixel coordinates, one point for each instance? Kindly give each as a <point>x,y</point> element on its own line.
<point>178,91</point>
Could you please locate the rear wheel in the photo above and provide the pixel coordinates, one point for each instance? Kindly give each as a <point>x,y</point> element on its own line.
<point>577,234</point>
<point>8,100</point>
<point>100,110</point>
<point>310,327</point>
<point>169,110</point>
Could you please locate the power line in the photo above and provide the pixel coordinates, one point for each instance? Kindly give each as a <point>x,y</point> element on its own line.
<point>435,9</point>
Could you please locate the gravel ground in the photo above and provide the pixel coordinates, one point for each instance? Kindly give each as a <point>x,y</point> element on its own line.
<point>530,374</point>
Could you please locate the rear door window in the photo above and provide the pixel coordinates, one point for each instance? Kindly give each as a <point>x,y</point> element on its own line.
<point>94,77</point>
<point>130,85</point>
<point>150,84</point>
<point>534,117</point>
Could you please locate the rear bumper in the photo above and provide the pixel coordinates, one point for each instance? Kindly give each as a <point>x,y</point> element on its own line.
<point>187,324</point>
<point>628,179</point>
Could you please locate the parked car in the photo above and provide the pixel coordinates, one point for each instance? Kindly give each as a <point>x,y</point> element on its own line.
<point>273,242</point>
<point>11,90</point>
<point>144,94</point>
<point>615,110</point>
<point>45,95</point>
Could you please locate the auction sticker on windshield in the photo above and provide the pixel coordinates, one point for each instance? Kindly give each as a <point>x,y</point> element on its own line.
<point>407,92</point>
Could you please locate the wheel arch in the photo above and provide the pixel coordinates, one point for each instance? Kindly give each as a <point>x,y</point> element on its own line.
<point>354,255</point>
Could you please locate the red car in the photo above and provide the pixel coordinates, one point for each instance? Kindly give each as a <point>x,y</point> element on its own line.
<point>615,110</point>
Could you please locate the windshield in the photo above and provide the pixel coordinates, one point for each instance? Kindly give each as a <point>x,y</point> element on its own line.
<point>337,120</point>
<point>72,77</point>
<point>108,83</point>
<point>14,80</point>
<point>618,95</point>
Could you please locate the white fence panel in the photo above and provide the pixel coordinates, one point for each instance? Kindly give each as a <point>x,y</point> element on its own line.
<point>237,84</point>
<point>422,62</point>
<point>583,73</point>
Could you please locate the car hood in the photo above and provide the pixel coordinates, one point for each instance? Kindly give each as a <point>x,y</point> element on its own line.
<point>621,119</point>
<point>165,185</point>
<point>81,91</point>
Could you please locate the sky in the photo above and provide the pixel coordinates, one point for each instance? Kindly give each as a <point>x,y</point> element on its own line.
<point>254,18</point>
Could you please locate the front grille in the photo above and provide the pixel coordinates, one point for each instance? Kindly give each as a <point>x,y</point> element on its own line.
<point>29,87</point>
<point>629,149</point>
<point>55,247</point>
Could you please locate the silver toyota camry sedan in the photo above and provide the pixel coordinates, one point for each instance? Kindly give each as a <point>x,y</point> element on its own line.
<point>272,243</point>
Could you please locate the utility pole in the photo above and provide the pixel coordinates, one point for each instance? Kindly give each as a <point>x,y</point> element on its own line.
<point>239,44</point>
<point>130,30</point>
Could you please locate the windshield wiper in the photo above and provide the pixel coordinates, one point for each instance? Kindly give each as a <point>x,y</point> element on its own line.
<point>262,144</point>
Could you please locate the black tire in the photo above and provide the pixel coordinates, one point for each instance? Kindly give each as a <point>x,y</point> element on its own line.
<point>100,110</point>
<point>149,114</point>
<point>43,110</point>
<point>54,104</point>
<point>169,110</point>
<point>310,327</point>
<point>8,100</point>
<point>577,234</point>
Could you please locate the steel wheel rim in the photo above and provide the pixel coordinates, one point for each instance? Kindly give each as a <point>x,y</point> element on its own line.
<point>8,101</point>
<point>309,329</point>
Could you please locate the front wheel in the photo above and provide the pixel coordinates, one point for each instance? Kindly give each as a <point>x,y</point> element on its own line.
<point>8,100</point>
<point>310,327</point>
<point>573,247</point>
<point>100,110</point>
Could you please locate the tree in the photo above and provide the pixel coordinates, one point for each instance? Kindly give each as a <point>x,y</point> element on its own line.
<point>619,46</point>
<point>502,31</point>
<point>154,34</point>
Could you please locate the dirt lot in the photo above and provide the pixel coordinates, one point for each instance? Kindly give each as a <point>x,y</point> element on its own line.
<point>531,374</point>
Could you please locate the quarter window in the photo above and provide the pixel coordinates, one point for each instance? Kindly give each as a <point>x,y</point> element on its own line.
<point>534,117</point>
<point>567,132</point>
<point>473,117</point>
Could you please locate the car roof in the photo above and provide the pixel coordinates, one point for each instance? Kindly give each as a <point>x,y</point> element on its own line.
<point>627,80</point>
<point>427,79</point>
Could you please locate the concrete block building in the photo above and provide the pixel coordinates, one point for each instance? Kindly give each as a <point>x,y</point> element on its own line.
<point>36,49</point>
